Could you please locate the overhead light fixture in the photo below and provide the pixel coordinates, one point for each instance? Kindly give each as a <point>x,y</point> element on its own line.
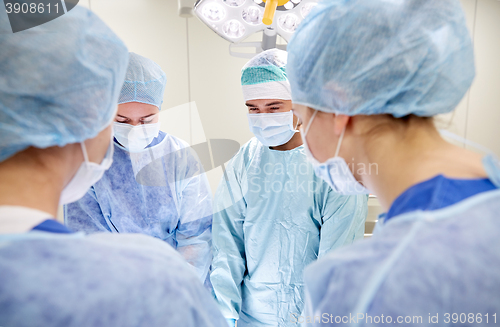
<point>236,20</point>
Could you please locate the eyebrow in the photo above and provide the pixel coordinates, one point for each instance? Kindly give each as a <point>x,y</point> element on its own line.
<point>267,104</point>
<point>140,118</point>
<point>273,103</point>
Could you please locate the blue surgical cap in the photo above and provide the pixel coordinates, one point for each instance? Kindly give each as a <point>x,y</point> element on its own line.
<point>368,57</point>
<point>264,76</point>
<point>59,82</point>
<point>145,82</point>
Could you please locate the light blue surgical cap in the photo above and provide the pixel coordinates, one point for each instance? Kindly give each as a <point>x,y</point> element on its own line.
<point>367,57</point>
<point>145,82</point>
<point>264,76</point>
<point>59,82</point>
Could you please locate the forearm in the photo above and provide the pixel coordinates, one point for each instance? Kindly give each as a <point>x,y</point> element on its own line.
<point>197,251</point>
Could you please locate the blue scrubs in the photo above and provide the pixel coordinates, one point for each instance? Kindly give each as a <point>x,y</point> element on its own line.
<point>53,277</point>
<point>161,192</point>
<point>273,216</point>
<point>52,226</point>
<point>437,193</point>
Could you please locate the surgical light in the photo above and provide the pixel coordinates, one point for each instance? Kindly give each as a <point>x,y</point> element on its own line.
<point>234,3</point>
<point>236,20</point>
<point>234,29</point>
<point>214,12</point>
<point>288,5</point>
<point>252,15</point>
<point>289,22</point>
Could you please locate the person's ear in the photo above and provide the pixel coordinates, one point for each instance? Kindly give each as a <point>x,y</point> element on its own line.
<point>340,123</point>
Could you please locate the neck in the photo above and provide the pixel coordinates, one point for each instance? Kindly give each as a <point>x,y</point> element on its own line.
<point>294,142</point>
<point>420,154</point>
<point>29,183</point>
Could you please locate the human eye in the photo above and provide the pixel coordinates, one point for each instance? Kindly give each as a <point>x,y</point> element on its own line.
<point>149,120</point>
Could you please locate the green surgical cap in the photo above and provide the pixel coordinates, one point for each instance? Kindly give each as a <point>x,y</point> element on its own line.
<point>264,76</point>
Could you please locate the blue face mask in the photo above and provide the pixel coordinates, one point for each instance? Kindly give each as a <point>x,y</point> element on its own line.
<point>334,171</point>
<point>272,129</point>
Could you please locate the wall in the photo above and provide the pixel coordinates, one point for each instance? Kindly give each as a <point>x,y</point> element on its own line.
<point>478,115</point>
<point>483,116</point>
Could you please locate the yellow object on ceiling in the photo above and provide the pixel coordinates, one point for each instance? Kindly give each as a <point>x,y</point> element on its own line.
<point>271,6</point>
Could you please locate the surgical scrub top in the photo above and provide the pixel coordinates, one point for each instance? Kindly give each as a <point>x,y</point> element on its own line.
<point>272,218</point>
<point>436,193</point>
<point>52,226</point>
<point>61,279</point>
<point>161,192</point>
<point>435,260</point>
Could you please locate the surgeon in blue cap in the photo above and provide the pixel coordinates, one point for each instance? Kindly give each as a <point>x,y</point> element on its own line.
<point>59,86</point>
<point>367,78</point>
<point>156,185</point>
<point>273,216</point>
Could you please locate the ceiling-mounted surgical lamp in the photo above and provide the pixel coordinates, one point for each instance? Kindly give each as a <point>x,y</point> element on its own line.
<point>236,20</point>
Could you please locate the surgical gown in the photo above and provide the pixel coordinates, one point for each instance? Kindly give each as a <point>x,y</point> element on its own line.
<point>99,280</point>
<point>419,268</point>
<point>161,192</point>
<point>272,217</point>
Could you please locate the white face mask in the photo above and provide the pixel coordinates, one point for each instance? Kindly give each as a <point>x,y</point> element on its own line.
<point>136,138</point>
<point>334,171</point>
<point>272,129</point>
<point>87,175</point>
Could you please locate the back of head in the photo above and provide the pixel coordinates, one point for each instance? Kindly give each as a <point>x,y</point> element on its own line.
<point>145,82</point>
<point>264,76</point>
<point>59,82</point>
<point>366,57</point>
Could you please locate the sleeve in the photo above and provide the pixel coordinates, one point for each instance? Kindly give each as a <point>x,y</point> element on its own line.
<point>165,292</point>
<point>85,215</point>
<point>194,230</point>
<point>229,264</point>
<point>343,218</point>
